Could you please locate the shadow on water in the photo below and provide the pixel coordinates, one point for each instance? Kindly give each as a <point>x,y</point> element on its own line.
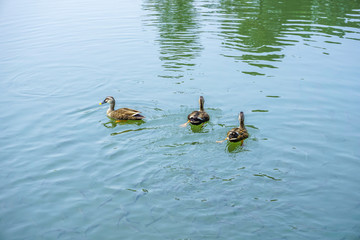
<point>178,34</point>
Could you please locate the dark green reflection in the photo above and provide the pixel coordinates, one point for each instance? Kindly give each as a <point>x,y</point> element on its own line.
<point>199,128</point>
<point>112,123</point>
<point>130,130</point>
<point>267,176</point>
<point>251,28</point>
<point>178,37</point>
<point>256,32</point>
<point>235,147</point>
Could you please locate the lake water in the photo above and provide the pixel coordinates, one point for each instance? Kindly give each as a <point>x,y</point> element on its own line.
<point>69,172</point>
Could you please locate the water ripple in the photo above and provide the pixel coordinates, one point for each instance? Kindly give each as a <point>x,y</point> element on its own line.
<point>55,81</point>
<point>252,32</point>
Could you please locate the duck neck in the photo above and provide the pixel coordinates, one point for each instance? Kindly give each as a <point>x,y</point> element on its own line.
<point>242,119</point>
<point>201,105</point>
<point>111,107</point>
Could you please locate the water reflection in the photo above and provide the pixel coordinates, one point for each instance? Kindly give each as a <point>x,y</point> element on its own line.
<point>113,123</point>
<point>256,32</point>
<point>130,130</point>
<point>235,147</point>
<point>267,176</point>
<point>199,128</point>
<point>178,38</point>
<point>251,28</point>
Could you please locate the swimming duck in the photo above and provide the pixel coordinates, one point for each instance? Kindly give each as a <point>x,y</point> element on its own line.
<point>238,134</point>
<point>121,113</point>
<point>198,117</point>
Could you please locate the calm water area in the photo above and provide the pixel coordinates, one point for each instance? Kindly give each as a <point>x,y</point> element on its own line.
<point>67,171</point>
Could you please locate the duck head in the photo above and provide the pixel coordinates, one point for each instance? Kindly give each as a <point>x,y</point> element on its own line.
<point>109,100</point>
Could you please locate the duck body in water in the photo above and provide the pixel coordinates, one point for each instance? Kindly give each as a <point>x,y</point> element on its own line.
<point>198,117</point>
<point>121,113</point>
<point>238,134</point>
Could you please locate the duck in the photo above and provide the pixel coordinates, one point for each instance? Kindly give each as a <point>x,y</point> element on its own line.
<point>121,113</point>
<point>238,134</point>
<point>198,117</point>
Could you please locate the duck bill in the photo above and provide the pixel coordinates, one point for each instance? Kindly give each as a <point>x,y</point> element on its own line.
<point>103,102</point>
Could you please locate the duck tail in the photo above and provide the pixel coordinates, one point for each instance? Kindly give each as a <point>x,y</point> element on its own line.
<point>138,116</point>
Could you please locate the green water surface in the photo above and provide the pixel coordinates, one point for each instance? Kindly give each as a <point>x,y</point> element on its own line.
<point>69,172</point>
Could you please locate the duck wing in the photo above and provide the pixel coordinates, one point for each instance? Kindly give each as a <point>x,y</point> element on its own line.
<point>237,134</point>
<point>127,111</point>
<point>126,114</point>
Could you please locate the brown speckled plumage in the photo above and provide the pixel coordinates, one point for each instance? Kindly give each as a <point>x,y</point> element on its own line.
<point>198,117</point>
<point>121,113</point>
<point>240,133</point>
